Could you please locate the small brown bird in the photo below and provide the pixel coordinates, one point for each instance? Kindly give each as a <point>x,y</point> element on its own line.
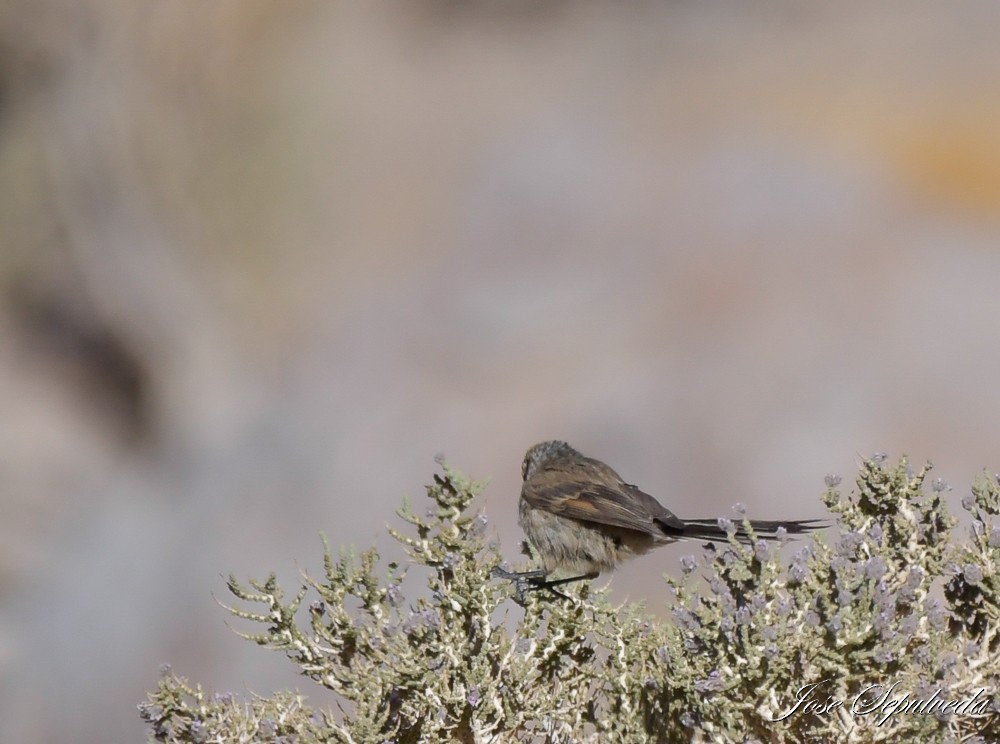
<point>582,518</point>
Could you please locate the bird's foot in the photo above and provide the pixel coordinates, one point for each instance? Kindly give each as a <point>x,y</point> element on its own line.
<point>524,581</point>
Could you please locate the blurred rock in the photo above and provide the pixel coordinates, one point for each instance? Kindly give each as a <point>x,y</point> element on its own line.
<point>296,251</point>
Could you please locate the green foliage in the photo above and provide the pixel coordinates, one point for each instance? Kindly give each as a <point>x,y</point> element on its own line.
<point>438,651</point>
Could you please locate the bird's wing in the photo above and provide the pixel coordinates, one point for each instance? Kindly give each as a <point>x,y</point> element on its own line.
<point>592,492</point>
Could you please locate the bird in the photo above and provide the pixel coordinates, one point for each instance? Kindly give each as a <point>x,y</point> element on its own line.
<point>582,518</point>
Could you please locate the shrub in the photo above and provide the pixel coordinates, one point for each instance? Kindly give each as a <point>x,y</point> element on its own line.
<point>863,639</point>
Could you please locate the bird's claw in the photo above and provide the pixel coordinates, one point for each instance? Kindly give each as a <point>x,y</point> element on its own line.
<point>524,583</point>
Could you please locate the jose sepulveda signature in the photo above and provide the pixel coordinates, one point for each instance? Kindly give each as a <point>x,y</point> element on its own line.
<point>882,702</point>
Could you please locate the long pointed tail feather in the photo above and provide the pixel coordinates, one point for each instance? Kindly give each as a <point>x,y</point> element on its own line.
<point>709,529</point>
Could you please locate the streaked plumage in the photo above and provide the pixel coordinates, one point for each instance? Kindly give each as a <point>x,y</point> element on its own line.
<point>583,518</point>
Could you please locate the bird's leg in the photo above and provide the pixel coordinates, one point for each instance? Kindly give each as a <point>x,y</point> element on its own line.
<point>551,585</point>
<point>570,580</point>
<point>536,579</point>
<point>534,576</point>
<point>521,579</point>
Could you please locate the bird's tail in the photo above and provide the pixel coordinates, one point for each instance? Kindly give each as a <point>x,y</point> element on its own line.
<point>764,529</point>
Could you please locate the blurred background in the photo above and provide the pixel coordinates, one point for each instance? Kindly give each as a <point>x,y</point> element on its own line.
<point>261,262</point>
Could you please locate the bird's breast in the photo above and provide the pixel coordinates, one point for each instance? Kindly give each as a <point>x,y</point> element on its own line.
<point>573,546</point>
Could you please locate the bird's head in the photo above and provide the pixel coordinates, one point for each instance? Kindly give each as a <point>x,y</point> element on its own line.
<point>541,453</point>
